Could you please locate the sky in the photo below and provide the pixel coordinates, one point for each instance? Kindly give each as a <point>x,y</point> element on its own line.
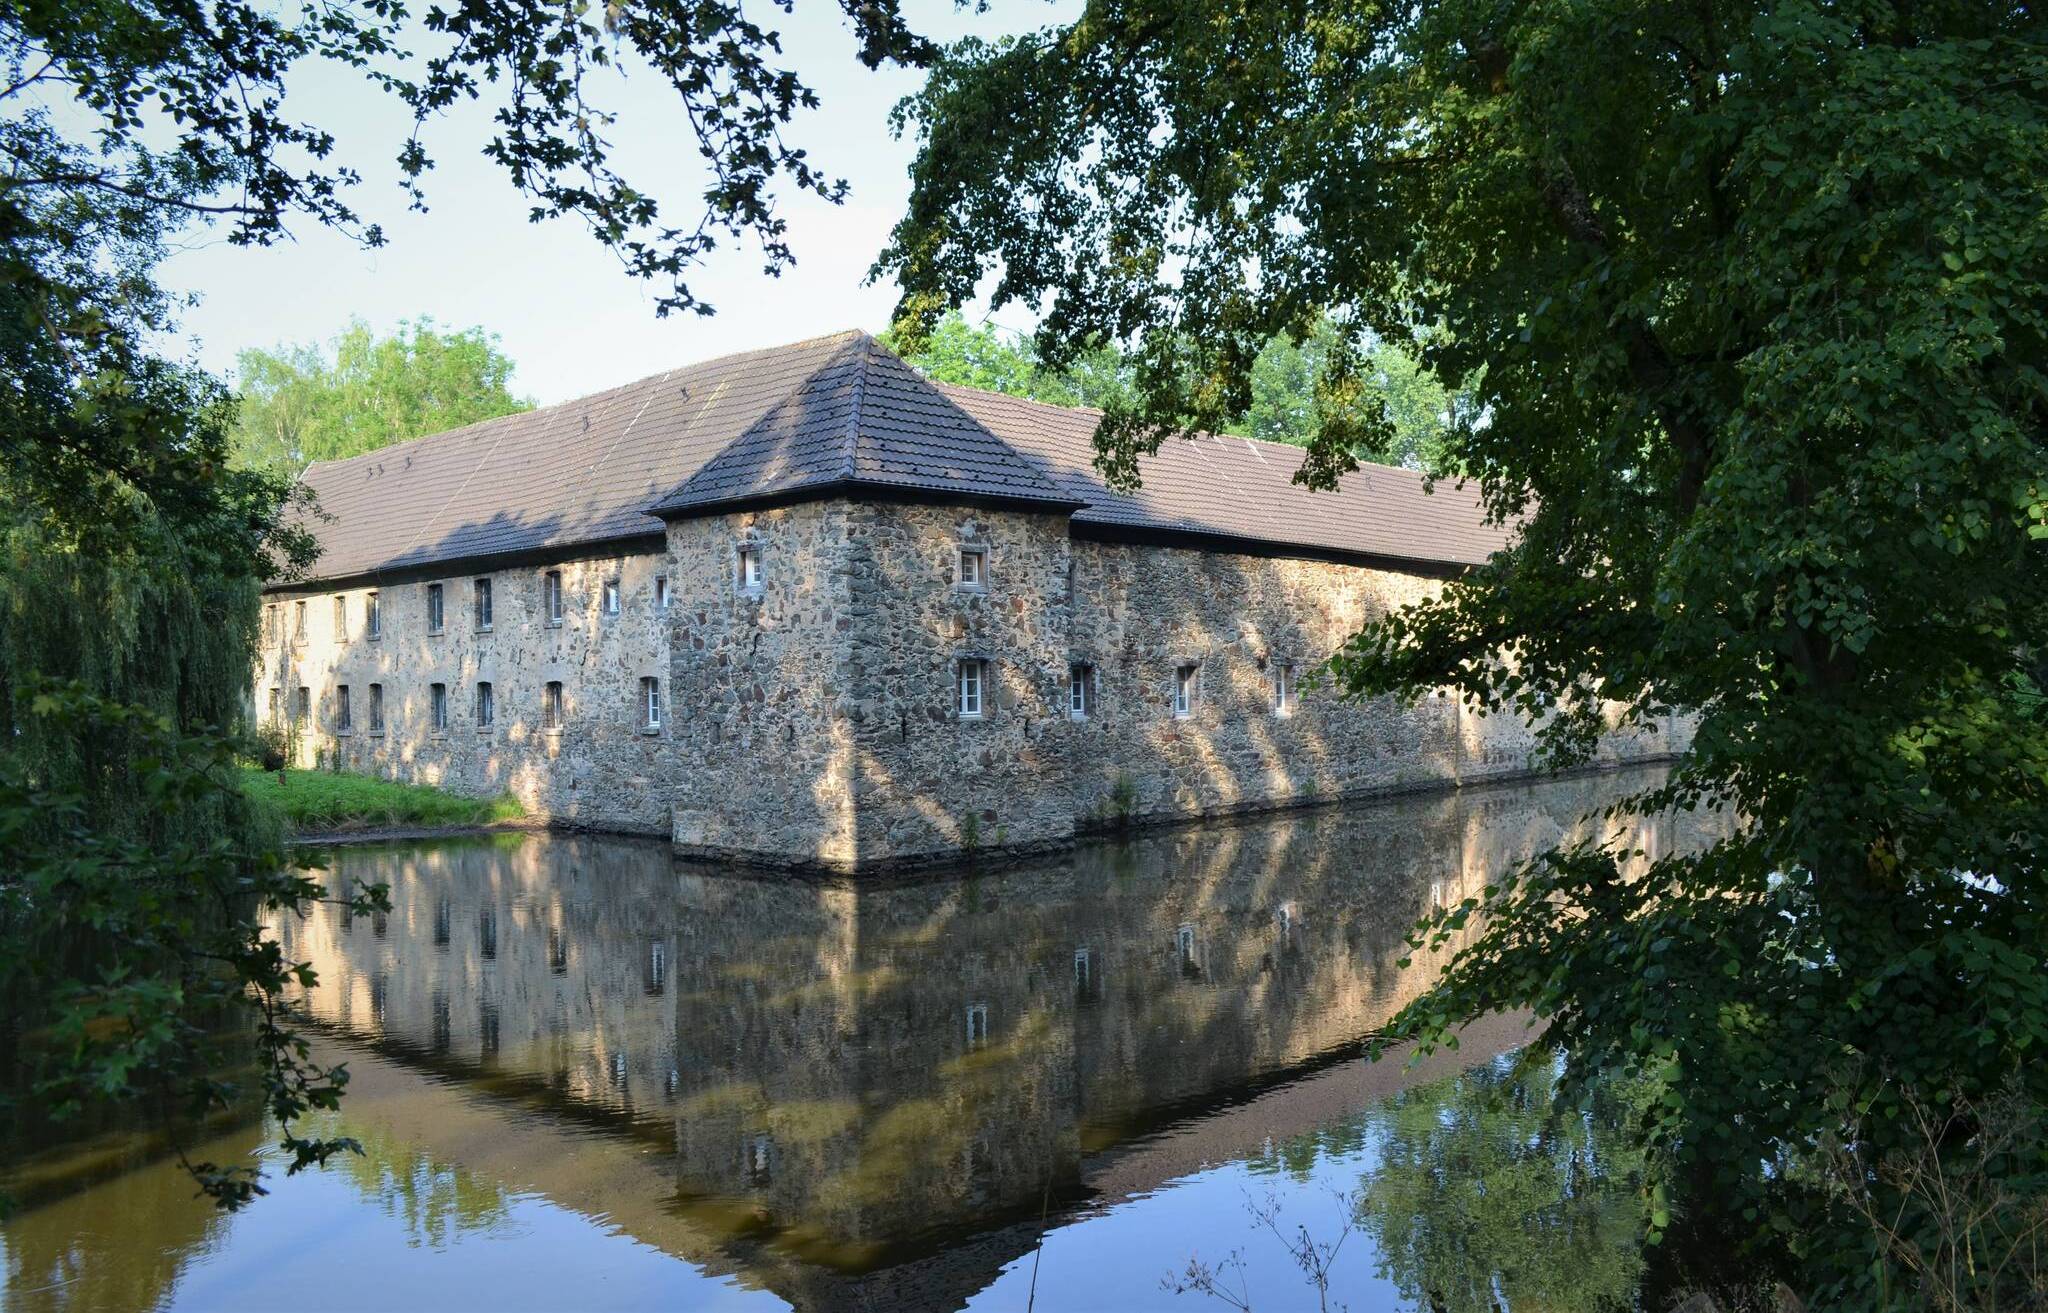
<point>568,315</point>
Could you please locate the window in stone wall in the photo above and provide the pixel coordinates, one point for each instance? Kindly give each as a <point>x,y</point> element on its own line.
<point>343,715</point>
<point>299,621</point>
<point>661,592</point>
<point>1080,690</point>
<point>437,609</point>
<point>609,597</point>
<point>551,705</point>
<point>483,605</point>
<point>971,569</point>
<point>973,674</point>
<point>1184,691</point>
<point>1283,688</point>
<point>650,704</point>
<point>437,704</point>
<point>977,1025</point>
<point>747,569</point>
<point>340,618</point>
<point>486,705</point>
<point>373,617</point>
<point>376,708</point>
<point>551,596</point>
<point>302,705</point>
<point>276,703</point>
<point>270,623</point>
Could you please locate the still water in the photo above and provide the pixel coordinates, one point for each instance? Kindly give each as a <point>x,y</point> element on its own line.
<point>586,1076</point>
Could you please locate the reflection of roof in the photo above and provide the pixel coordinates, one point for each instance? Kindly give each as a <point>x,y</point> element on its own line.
<point>835,415</point>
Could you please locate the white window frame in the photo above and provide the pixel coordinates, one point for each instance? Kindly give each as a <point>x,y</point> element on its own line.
<point>437,609</point>
<point>661,592</point>
<point>746,565</point>
<point>1186,689</point>
<point>970,688</point>
<point>551,598</point>
<point>344,717</point>
<point>554,706</point>
<point>609,595</point>
<point>1080,690</point>
<point>341,617</point>
<point>973,579</point>
<point>483,604</point>
<point>302,704</point>
<point>373,616</point>
<point>437,707</point>
<point>299,621</point>
<point>650,703</point>
<point>376,708</point>
<point>1286,693</point>
<point>486,705</point>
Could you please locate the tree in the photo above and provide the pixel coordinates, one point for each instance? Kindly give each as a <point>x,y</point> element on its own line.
<point>1755,298</point>
<point>298,406</point>
<point>1415,407</point>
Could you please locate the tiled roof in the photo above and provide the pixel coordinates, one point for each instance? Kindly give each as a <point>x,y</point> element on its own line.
<point>822,415</point>
<point>865,418</point>
<point>1243,488</point>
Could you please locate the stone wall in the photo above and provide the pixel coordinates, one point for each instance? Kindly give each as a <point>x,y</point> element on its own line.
<point>602,769</point>
<point>814,718</point>
<point>765,766</point>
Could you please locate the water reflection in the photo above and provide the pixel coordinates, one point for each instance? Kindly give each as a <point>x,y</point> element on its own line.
<point>872,1096</point>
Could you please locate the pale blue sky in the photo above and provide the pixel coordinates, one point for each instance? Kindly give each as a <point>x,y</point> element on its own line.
<point>570,317</point>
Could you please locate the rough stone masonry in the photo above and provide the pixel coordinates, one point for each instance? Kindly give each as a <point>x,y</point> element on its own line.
<point>803,607</point>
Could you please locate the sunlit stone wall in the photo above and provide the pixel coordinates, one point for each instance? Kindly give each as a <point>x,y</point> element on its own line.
<point>603,768</point>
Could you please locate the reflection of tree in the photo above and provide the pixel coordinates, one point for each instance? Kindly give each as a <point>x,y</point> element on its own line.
<point>436,1202</point>
<point>1485,1196</point>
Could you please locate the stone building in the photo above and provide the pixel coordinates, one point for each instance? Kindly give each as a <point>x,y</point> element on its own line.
<point>804,607</point>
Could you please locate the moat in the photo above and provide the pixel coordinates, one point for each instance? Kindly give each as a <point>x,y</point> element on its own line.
<point>588,1076</point>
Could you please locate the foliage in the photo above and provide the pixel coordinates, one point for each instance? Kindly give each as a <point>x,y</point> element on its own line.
<point>299,406</point>
<point>319,800</point>
<point>122,949</point>
<point>1284,405</point>
<point>1755,320</point>
<point>1486,1192</point>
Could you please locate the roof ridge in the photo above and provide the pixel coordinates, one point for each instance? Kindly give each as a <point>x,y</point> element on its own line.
<point>860,395</point>
<point>1266,443</point>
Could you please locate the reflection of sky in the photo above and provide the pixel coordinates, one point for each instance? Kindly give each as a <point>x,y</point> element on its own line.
<point>315,1234</point>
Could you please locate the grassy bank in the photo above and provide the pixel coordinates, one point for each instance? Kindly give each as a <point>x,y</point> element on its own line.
<point>316,800</point>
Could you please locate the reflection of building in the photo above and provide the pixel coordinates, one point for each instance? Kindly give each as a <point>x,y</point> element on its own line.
<point>859,1093</point>
<point>804,606</point>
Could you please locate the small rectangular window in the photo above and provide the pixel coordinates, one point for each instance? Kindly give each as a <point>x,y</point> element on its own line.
<point>276,703</point>
<point>748,574</point>
<point>973,568</point>
<point>373,617</point>
<point>1184,692</point>
<point>1283,688</point>
<point>551,596</point>
<point>650,703</point>
<point>270,623</point>
<point>609,596</point>
<point>483,604</point>
<point>343,721</point>
<point>376,708</point>
<point>437,702</point>
<point>977,1025</point>
<point>1080,690</point>
<point>302,705</point>
<point>299,621</point>
<point>973,673</point>
<point>340,618</point>
<point>551,705</point>
<point>661,592</point>
<point>437,613</point>
<point>486,705</point>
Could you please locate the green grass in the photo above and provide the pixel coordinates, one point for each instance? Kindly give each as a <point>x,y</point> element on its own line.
<point>315,800</point>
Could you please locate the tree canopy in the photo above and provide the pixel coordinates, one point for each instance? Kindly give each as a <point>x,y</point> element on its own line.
<point>1755,301</point>
<point>1400,405</point>
<point>299,404</point>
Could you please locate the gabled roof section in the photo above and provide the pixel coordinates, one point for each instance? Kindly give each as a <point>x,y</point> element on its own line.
<point>864,419</point>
